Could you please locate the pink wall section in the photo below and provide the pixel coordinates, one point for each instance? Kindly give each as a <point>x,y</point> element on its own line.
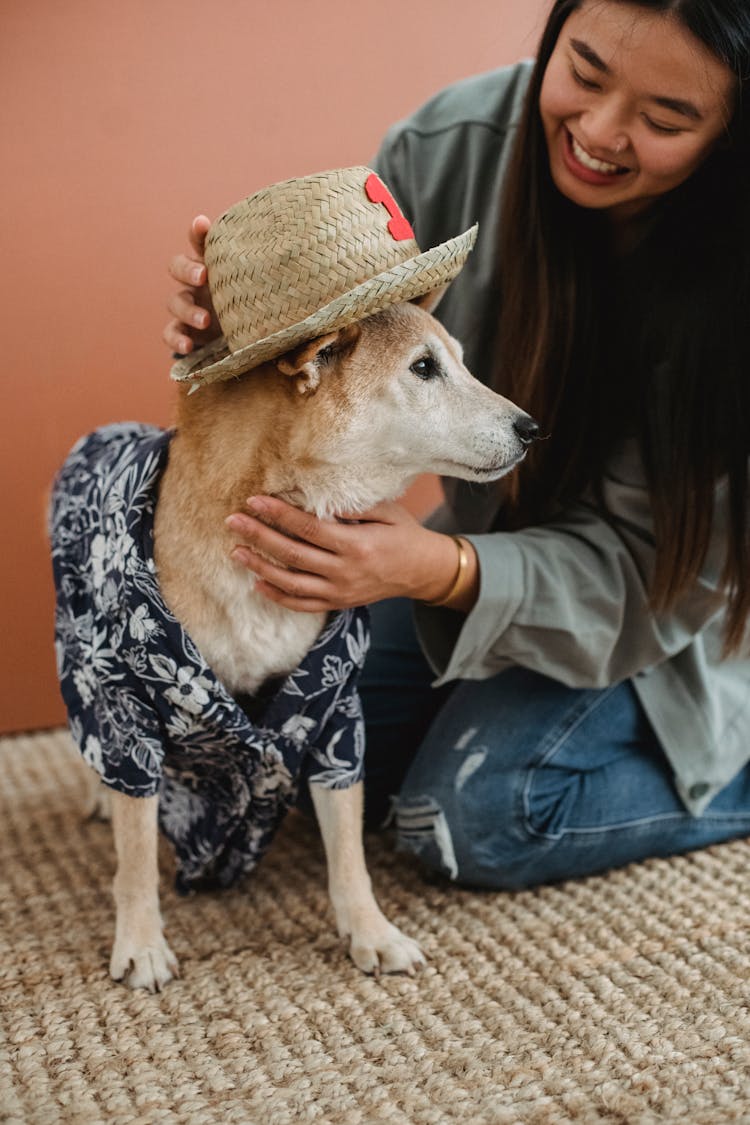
<point>118,123</point>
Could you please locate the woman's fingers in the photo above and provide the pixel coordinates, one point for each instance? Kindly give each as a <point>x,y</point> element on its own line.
<point>301,605</point>
<point>197,234</point>
<point>293,554</point>
<point>184,308</point>
<point>193,318</point>
<point>184,331</point>
<point>174,337</point>
<point>294,522</point>
<point>306,592</point>
<point>187,270</point>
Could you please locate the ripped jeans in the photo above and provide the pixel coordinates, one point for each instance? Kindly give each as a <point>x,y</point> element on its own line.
<point>518,780</point>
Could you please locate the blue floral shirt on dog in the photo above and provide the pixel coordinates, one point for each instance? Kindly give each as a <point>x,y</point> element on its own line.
<point>146,710</point>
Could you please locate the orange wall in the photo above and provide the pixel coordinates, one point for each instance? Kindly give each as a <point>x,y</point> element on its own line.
<point>119,122</point>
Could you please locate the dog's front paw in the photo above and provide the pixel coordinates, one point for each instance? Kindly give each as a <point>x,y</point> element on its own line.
<point>143,965</point>
<point>377,946</point>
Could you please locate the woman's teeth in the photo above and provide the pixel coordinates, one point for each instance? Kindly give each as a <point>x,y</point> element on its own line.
<point>591,162</point>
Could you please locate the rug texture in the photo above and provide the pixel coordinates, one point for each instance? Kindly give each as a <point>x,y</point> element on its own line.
<point>623,998</point>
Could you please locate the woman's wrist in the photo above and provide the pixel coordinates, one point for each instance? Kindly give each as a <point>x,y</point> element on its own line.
<point>457,585</point>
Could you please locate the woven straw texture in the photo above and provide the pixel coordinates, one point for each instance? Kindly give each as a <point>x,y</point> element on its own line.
<point>618,999</point>
<point>305,257</point>
<point>276,257</point>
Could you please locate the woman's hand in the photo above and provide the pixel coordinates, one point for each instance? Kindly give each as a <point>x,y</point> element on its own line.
<point>314,565</point>
<point>194,321</point>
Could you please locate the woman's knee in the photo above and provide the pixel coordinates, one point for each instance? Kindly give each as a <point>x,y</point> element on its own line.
<point>509,769</point>
<point>450,839</point>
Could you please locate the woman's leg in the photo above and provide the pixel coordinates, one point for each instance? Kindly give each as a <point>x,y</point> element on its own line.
<point>521,780</point>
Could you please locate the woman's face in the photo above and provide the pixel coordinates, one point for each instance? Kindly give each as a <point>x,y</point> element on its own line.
<point>631,104</point>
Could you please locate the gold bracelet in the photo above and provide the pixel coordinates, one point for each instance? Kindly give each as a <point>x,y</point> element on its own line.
<point>459,582</point>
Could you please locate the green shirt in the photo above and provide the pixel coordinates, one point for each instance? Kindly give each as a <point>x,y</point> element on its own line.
<point>569,599</point>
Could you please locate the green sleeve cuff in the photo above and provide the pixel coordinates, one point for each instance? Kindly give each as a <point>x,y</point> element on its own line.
<point>459,646</point>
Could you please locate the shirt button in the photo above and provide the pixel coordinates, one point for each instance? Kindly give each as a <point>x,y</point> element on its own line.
<point>698,790</point>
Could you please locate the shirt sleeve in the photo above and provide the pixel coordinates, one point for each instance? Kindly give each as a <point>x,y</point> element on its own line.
<point>336,760</point>
<point>335,757</point>
<point>570,598</point>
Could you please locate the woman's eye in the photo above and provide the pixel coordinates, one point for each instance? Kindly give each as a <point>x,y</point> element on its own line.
<point>587,83</point>
<point>668,130</point>
<point>425,368</point>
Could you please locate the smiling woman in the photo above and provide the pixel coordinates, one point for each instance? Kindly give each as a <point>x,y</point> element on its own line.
<point>592,699</point>
<point>631,106</point>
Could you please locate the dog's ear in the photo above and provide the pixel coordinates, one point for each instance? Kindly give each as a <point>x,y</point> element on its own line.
<point>430,301</point>
<point>307,363</point>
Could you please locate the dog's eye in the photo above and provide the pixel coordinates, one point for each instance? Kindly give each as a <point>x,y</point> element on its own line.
<point>325,355</point>
<point>425,368</point>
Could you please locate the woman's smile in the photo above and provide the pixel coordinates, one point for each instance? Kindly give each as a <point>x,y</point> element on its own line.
<point>589,168</point>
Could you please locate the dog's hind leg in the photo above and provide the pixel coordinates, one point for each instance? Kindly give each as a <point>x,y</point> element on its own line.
<point>140,956</point>
<point>375,944</point>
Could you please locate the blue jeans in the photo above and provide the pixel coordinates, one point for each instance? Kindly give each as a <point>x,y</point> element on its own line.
<point>518,780</point>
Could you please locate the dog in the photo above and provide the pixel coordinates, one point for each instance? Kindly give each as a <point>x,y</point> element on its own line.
<point>333,424</point>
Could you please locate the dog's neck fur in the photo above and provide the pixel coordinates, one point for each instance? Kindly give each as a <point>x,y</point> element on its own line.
<point>216,461</point>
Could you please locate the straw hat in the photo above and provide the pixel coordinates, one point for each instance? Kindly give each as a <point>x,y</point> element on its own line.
<point>306,257</point>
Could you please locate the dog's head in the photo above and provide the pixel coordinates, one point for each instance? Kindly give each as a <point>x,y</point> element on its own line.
<point>389,398</point>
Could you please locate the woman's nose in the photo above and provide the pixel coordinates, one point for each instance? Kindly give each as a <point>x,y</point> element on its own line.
<point>603,130</point>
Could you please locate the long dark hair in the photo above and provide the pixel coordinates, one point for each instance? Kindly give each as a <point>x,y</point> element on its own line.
<point>655,345</point>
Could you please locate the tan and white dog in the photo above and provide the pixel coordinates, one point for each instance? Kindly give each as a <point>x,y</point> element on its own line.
<point>380,402</point>
<point>333,420</point>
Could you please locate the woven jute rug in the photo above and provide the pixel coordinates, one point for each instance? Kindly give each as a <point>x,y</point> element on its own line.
<point>622,998</point>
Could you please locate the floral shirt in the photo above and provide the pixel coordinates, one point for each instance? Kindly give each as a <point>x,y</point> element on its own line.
<point>146,710</point>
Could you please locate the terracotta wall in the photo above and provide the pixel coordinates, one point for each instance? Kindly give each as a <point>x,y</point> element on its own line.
<point>119,122</point>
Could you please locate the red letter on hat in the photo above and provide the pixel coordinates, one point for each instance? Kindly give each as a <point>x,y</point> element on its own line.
<point>377,192</point>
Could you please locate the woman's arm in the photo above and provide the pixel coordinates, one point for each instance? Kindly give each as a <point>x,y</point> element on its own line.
<point>570,599</point>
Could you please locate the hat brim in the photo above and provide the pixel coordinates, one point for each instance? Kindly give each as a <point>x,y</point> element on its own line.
<point>405,282</point>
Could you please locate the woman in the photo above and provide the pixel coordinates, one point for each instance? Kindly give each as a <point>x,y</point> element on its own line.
<point>591,699</point>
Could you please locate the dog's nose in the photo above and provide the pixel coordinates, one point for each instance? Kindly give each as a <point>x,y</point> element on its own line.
<point>526,428</point>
